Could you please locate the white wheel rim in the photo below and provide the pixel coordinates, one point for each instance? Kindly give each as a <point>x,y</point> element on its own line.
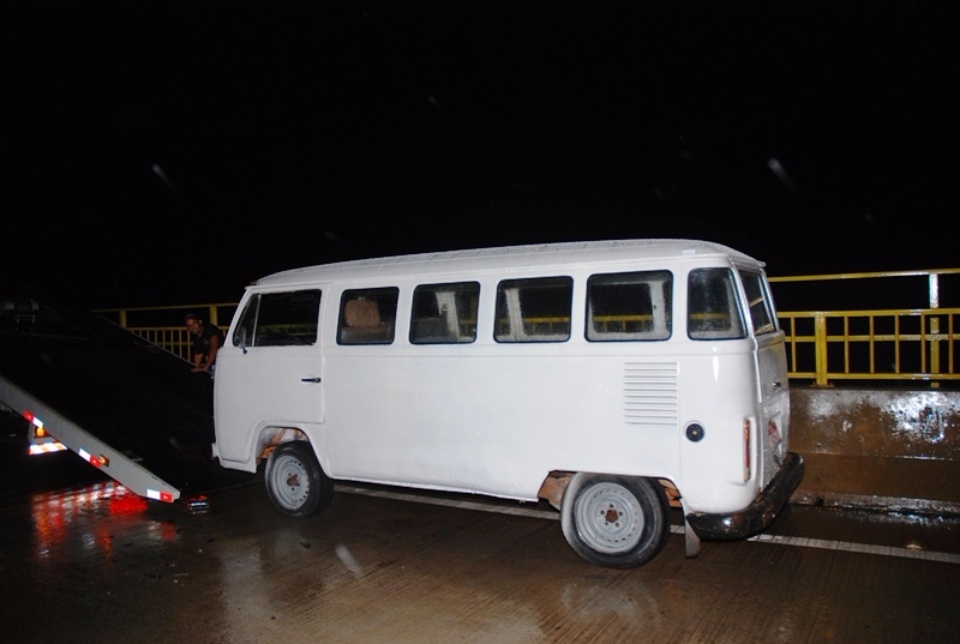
<point>291,482</point>
<point>609,518</point>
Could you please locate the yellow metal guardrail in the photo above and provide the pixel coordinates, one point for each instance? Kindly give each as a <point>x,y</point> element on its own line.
<point>164,325</point>
<point>871,344</point>
<point>918,345</point>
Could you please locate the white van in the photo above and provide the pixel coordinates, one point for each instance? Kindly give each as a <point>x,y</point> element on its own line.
<point>612,379</point>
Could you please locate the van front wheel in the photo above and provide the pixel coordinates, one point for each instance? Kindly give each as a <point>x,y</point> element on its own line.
<point>296,484</point>
<point>615,521</point>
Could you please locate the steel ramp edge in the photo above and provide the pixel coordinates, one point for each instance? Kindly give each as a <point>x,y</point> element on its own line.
<point>112,462</point>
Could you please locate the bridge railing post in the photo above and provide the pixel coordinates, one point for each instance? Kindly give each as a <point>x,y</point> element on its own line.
<point>933,286</point>
<point>821,368</point>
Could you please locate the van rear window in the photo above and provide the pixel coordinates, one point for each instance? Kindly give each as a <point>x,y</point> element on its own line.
<point>759,302</point>
<point>713,312</point>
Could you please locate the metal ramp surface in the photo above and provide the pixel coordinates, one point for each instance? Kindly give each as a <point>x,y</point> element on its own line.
<point>141,401</point>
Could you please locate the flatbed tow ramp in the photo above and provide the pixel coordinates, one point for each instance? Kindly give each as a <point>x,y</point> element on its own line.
<point>129,408</point>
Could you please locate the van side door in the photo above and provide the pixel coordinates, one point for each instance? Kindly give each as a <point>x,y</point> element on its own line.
<point>270,373</point>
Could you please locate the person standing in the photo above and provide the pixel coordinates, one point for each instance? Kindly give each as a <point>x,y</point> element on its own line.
<point>206,342</point>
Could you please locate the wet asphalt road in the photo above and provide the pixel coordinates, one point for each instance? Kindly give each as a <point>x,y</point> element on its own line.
<point>93,563</point>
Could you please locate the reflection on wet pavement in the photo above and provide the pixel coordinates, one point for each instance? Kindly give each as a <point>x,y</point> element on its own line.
<point>98,563</point>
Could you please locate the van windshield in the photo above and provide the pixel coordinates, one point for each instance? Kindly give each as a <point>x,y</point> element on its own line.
<point>279,319</point>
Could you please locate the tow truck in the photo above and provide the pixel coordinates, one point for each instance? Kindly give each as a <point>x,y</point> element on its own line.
<point>129,408</point>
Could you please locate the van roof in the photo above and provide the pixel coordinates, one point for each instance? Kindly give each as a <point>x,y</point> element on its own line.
<point>505,257</point>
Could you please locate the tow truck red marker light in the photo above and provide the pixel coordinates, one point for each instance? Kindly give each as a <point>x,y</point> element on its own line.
<point>38,430</point>
<point>90,458</point>
<point>160,495</point>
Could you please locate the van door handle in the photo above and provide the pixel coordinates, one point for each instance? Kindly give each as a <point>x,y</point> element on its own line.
<point>310,379</point>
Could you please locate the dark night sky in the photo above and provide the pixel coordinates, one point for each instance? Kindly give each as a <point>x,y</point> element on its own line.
<point>161,152</point>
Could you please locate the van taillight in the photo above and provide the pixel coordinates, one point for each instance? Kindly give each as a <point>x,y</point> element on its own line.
<point>746,449</point>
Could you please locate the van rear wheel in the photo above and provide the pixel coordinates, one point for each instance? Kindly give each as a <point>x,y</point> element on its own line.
<point>615,521</point>
<point>296,484</point>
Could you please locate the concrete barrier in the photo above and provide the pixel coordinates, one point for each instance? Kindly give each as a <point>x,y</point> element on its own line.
<point>889,450</point>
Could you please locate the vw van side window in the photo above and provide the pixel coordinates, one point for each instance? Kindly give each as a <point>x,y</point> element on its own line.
<point>534,310</point>
<point>713,312</point>
<point>444,313</point>
<point>629,306</point>
<point>759,302</point>
<point>279,319</point>
<point>367,316</point>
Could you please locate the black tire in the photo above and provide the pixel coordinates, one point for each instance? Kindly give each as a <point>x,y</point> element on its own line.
<point>615,521</point>
<point>296,484</point>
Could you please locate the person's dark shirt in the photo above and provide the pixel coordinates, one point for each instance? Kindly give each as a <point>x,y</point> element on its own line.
<point>201,343</point>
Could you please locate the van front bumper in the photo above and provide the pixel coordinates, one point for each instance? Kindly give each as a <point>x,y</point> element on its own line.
<point>759,514</point>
